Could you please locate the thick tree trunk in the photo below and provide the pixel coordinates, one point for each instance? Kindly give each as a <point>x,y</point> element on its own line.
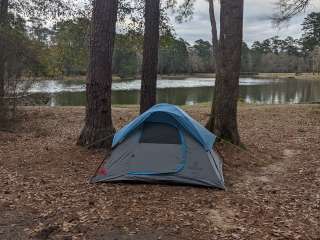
<point>4,4</point>
<point>2,72</point>
<point>98,130</point>
<point>229,63</point>
<point>150,55</point>
<point>3,24</point>
<point>215,43</point>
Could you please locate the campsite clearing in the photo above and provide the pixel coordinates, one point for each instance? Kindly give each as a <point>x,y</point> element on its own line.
<point>273,194</point>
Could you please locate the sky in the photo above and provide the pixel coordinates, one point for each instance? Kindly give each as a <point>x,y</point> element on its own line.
<point>257,23</point>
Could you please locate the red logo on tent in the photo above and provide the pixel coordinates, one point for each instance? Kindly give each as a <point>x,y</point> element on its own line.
<point>102,171</point>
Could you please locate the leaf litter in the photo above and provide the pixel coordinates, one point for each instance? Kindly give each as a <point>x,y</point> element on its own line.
<point>272,193</point>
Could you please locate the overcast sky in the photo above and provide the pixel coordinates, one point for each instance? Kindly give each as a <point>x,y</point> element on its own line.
<point>257,23</point>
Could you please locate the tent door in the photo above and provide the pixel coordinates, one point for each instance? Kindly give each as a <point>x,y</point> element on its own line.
<point>158,151</point>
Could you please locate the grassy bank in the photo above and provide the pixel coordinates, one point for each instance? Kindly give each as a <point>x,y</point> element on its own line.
<point>300,76</point>
<point>271,192</point>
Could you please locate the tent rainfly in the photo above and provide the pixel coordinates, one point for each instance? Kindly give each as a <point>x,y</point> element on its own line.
<point>163,144</point>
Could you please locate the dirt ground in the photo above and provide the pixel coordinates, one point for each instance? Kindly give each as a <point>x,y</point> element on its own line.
<point>272,193</point>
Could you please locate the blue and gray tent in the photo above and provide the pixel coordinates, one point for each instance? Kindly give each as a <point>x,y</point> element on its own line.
<point>163,144</point>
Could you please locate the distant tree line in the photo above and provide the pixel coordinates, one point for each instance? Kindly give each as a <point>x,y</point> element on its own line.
<point>63,51</point>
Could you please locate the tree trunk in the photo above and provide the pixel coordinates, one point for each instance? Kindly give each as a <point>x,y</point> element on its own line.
<point>150,55</point>
<point>98,130</point>
<point>214,31</point>
<point>3,25</point>
<point>4,4</point>
<point>215,43</point>
<point>229,63</point>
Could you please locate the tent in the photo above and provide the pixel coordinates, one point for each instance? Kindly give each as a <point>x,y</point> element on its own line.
<point>163,144</point>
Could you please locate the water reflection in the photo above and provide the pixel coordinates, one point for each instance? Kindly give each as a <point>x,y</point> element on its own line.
<point>274,92</point>
<point>52,86</point>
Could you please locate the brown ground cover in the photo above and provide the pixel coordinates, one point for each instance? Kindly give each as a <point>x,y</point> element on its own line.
<point>272,194</point>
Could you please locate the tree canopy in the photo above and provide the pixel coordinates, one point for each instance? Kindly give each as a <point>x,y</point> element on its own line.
<point>311,31</point>
<point>61,49</point>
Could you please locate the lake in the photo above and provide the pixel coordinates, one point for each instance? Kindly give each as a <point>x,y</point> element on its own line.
<point>187,91</point>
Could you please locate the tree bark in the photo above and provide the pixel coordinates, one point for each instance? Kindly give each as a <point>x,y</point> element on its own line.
<point>229,63</point>
<point>4,4</point>
<point>215,45</point>
<point>3,24</point>
<point>98,130</point>
<point>214,31</point>
<point>150,55</point>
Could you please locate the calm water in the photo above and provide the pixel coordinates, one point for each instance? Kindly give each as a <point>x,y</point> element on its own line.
<point>188,91</point>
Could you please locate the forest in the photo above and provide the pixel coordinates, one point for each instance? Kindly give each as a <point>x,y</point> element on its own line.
<point>63,50</point>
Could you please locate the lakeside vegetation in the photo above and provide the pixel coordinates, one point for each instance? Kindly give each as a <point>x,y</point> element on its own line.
<point>62,51</point>
<point>117,78</point>
<point>296,76</point>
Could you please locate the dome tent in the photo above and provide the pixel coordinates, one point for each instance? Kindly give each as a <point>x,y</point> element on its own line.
<point>163,144</point>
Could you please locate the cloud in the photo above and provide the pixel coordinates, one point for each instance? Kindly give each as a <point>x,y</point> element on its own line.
<point>257,21</point>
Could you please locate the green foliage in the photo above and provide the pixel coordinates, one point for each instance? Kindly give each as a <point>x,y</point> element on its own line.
<point>204,50</point>
<point>289,54</point>
<point>62,50</point>
<point>125,59</point>
<point>291,46</point>
<point>311,31</point>
<point>246,58</point>
<point>70,46</point>
<point>131,14</point>
<point>275,45</point>
<point>185,10</point>
<point>125,62</point>
<point>173,55</point>
<point>44,10</point>
<point>278,55</point>
<point>20,51</point>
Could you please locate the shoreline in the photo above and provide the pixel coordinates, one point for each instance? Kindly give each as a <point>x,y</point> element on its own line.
<point>288,76</point>
<point>115,78</point>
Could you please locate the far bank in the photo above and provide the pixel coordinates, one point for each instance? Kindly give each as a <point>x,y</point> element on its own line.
<point>183,76</point>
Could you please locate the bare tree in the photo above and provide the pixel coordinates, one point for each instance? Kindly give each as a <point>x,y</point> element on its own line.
<point>288,9</point>
<point>98,130</point>
<point>150,55</point>
<point>228,71</point>
<point>215,43</point>
<point>214,30</point>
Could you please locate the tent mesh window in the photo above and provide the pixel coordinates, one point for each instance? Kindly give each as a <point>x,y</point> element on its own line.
<point>159,133</point>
